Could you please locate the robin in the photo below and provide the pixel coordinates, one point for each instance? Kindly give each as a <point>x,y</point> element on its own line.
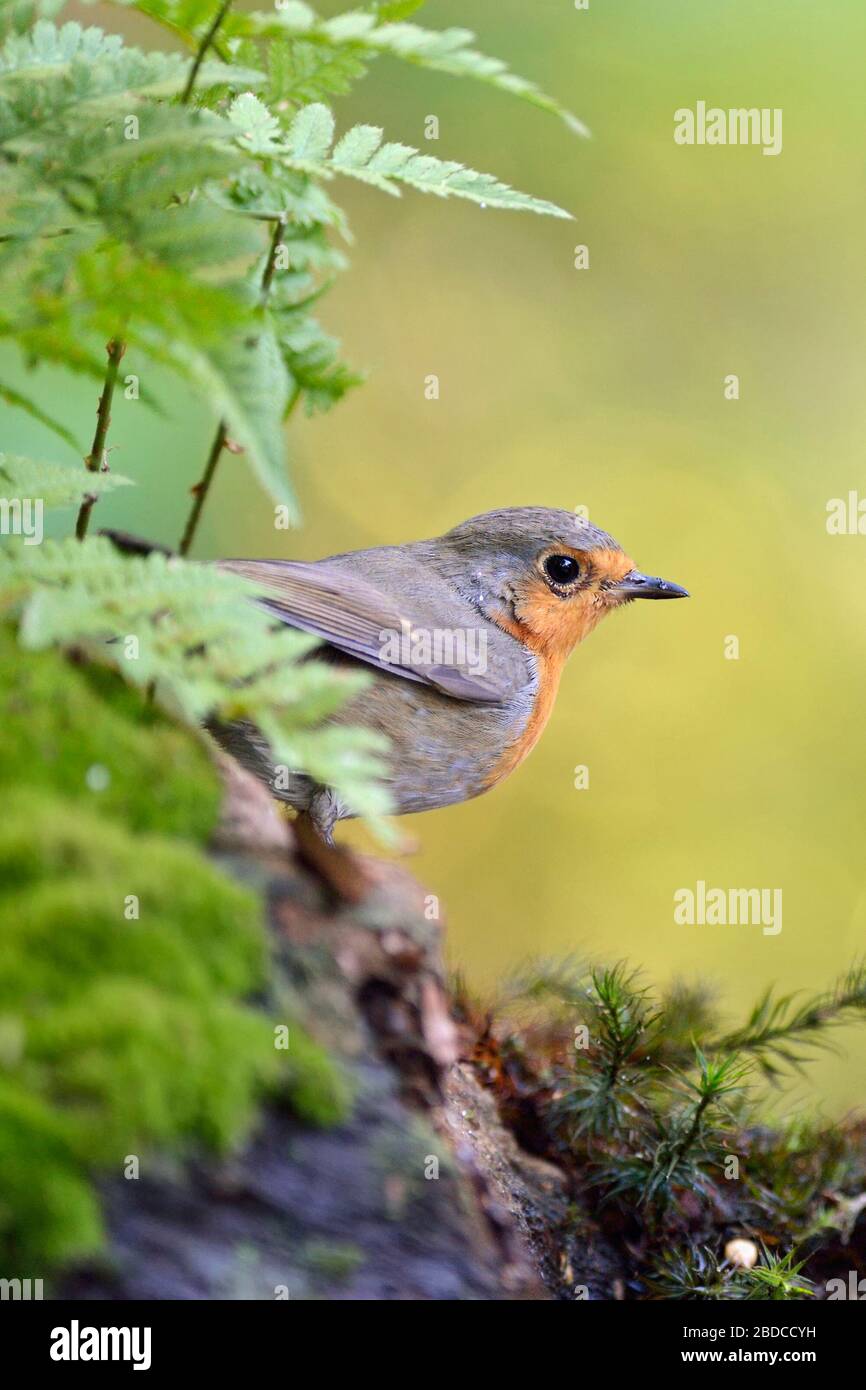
<point>466,636</point>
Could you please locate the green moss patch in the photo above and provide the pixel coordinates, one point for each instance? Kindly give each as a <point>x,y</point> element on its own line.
<point>127,961</point>
<point>81,732</point>
<point>138,905</point>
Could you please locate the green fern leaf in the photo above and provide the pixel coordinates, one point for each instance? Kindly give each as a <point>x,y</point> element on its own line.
<point>302,204</point>
<point>54,70</point>
<point>258,131</point>
<point>185,19</point>
<point>215,655</point>
<point>393,10</point>
<point>301,72</point>
<point>54,484</point>
<point>312,359</point>
<point>357,147</point>
<point>364,34</point>
<point>17,398</point>
<point>248,385</point>
<point>310,134</point>
<point>368,33</point>
<point>16,16</point>
<point>361,155</point>
<point>54,340</point>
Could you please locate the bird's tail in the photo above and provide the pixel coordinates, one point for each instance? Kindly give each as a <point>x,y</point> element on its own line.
<point>134,545</point>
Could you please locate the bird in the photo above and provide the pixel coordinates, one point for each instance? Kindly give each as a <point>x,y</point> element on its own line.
<point>465,637</point>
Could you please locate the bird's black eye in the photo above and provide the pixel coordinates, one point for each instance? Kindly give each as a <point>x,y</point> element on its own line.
<point>562,569</point>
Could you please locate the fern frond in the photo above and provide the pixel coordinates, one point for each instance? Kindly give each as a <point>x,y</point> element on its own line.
<point>141,249</point>
<point>256,130</point>
<point>128,215</point>
<point>53,70</point>
<point>360,154</point>
<point>17,398</point>
<point>312,359</point>
<point>214,654</point>
<point>17,16</point>
<point>370,33</point>
<point>148,201</point>
<point>54,484</point>
<point>303,205</point>
<point>300,72</point>
<point>250,387</point>
<point>362,34</point>
<point>215,340</point>
<point>396,9</point>
<point>187,20</point>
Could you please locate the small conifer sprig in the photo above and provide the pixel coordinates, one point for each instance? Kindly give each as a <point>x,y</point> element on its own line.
<point>781,1031</point>
<point>653,1111</point>
<point>602,1097</point>
<point>679,1147</point>
<point>696,1272</point>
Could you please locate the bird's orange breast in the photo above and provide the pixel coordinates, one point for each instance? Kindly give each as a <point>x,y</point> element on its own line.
<point>551,628</point>
<point>548,672</point>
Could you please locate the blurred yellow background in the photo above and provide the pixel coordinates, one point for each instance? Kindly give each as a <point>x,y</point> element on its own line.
<point>605,388</point>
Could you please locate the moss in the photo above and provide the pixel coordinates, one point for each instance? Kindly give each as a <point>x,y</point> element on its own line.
<point>66,916</point>
<point>127,960</point>
<point>117,1036</point>
<point>134,1067</point>
<point>58,721</point>
<point>48,1209</point>
<point>316,1085</point>
<point>332,1260</point>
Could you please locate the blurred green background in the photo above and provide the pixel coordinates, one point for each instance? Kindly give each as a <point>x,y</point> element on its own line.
<point>604,388</point>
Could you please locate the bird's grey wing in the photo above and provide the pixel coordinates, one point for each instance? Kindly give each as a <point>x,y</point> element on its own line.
<point>362,620</point>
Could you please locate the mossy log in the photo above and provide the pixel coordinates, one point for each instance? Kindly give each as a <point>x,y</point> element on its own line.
<point>363,1182</point>
<point>219,1078</point>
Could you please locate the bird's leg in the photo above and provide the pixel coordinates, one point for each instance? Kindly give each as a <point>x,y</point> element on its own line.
<point>324,811</point>
<point>344,871</point>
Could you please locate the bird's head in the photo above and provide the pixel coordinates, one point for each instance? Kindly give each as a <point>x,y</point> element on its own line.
<point>547,576</point>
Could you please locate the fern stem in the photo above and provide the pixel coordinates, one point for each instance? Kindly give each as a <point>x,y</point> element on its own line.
<point>202,50</point>
<point>271,262</point>
<point>293,401</point>
<point>94,461</point>
<point>202,487</point>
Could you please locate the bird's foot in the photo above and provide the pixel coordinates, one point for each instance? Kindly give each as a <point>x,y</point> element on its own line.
<point>349,875</point>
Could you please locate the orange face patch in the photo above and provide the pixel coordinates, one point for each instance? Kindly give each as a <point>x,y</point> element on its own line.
<point>551,625</point>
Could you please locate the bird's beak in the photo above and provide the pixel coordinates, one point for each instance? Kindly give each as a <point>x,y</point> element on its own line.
<point>637,585</point>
